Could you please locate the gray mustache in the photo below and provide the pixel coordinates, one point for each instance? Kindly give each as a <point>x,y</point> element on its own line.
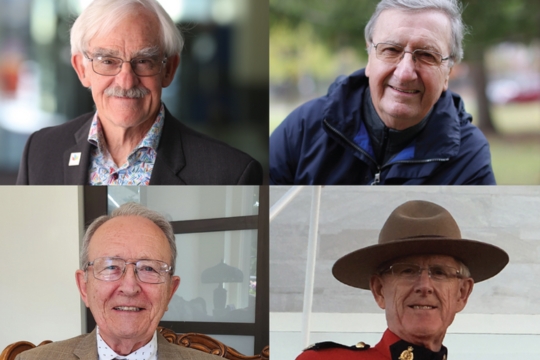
<point>137,92</point>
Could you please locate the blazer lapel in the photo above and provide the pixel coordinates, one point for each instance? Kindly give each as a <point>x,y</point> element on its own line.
<point>78,174</point>
<point>87,348</point>
<point>170,159</point>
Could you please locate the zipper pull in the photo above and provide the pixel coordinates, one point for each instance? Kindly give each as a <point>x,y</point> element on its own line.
<point>377,179</point>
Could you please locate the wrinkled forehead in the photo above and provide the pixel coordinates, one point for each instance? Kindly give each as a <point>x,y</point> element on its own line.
<point>132,237</point>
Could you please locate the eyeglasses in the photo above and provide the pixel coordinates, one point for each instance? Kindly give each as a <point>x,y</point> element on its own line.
<point>112,269</point>
<point>392,54</point>
<point>111,66</point>
<point>413,271</point>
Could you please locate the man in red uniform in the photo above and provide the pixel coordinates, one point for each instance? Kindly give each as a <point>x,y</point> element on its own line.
<point>421,274</point>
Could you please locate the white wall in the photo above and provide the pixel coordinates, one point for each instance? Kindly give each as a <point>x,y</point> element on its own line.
<point>40,229</point>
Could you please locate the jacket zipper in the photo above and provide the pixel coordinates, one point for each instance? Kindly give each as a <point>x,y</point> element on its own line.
<point>377,178</point>
<point>352,144</point>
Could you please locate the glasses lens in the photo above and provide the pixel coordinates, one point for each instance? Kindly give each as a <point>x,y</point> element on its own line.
<point>107,65</point>
<point>406,271</point>
<point>442,272</point>
<point>145,66</point>
<point>428,57</point>
<point>152,271</point>
<point>109,269</point>
<point>389,52</point>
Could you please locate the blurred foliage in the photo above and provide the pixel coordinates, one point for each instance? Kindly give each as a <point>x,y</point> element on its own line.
<point>336,22</point>
<point>492,22</point>
<point>318,38</point>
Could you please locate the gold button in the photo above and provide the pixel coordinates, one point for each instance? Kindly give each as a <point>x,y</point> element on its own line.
<point>360,345</point>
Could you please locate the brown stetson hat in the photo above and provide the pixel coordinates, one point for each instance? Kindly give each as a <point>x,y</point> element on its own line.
<point>417,228</point>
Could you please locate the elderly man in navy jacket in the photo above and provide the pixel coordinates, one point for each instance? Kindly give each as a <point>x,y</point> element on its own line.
<point>394,122</point>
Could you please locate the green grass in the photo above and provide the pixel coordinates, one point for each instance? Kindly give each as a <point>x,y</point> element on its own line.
<point>516,160</point>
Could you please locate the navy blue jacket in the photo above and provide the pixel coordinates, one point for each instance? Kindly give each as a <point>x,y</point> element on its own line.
<point>325,142</point>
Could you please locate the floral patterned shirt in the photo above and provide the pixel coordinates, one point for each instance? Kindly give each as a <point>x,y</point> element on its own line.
<point>139,165</point>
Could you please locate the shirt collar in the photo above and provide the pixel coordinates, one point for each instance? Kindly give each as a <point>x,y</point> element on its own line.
<point>151,139</point>
<point>146,352</point>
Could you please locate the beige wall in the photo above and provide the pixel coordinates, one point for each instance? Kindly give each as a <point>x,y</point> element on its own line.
<point>39,244</point>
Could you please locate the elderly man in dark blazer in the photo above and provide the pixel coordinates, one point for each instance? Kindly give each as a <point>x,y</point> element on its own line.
<point>125,52</point>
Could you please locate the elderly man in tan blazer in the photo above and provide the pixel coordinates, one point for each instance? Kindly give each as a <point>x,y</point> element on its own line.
<point>126,301</point>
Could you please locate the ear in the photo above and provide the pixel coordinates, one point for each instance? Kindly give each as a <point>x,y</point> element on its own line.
<point>170,69</point>
<point>376,286</point>
<point>175,282</point>
<point>77,61</point>
<point>368,47</point>
<point>80,278</point>
<point>465,289</point>
<point>446,79</point>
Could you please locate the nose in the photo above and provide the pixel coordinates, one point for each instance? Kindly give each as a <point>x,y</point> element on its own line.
<point>423,284</point>
<point>406,68</point>
<point>127,78</point>
<point>129,283</point>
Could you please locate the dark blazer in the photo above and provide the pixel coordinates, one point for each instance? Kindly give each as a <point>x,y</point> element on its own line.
<point>184,157</point>
<point>84,347</point>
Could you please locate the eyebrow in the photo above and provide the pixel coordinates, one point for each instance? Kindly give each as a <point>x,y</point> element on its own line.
<point>425,47</point>
<point>151,51</point>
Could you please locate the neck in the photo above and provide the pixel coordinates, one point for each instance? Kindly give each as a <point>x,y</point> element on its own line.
<point>125,346</point>
<point>398,123</point>
<point>121,141</point>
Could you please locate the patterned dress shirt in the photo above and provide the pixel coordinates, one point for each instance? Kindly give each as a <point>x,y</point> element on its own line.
<point>147,352</point>
<point>140,162</point>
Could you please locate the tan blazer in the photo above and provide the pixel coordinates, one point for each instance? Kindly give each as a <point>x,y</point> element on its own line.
<point>84,347</point>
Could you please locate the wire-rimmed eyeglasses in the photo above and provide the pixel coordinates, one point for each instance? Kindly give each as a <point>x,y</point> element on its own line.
<point>112,269</point>
<point>111,66</point>
<point>413,271</point>
<point>392,53</point>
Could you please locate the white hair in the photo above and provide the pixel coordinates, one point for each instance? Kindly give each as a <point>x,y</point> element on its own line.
<point>101,16</point>
<point>451,8</point>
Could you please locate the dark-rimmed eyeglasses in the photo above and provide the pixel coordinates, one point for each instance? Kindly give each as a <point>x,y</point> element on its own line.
<point>112,269</point>
<point>412,272</point>
<point>392,54</point>
<point>111,66</point>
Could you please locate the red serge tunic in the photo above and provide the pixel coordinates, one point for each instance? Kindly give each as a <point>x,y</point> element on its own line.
<point>391,347</point>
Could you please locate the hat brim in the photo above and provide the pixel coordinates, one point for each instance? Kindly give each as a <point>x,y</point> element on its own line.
<point>483,260</point>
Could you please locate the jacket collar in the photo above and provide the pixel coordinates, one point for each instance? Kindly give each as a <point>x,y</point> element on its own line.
<point>170,159</point>
<point>87,347</point>
<point>440,139</point>
<point>78,174</point>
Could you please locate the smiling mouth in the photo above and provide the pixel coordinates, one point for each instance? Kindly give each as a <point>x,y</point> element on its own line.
<point>404,90</point>
<point>422,307</point>
<point>128,308</point>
